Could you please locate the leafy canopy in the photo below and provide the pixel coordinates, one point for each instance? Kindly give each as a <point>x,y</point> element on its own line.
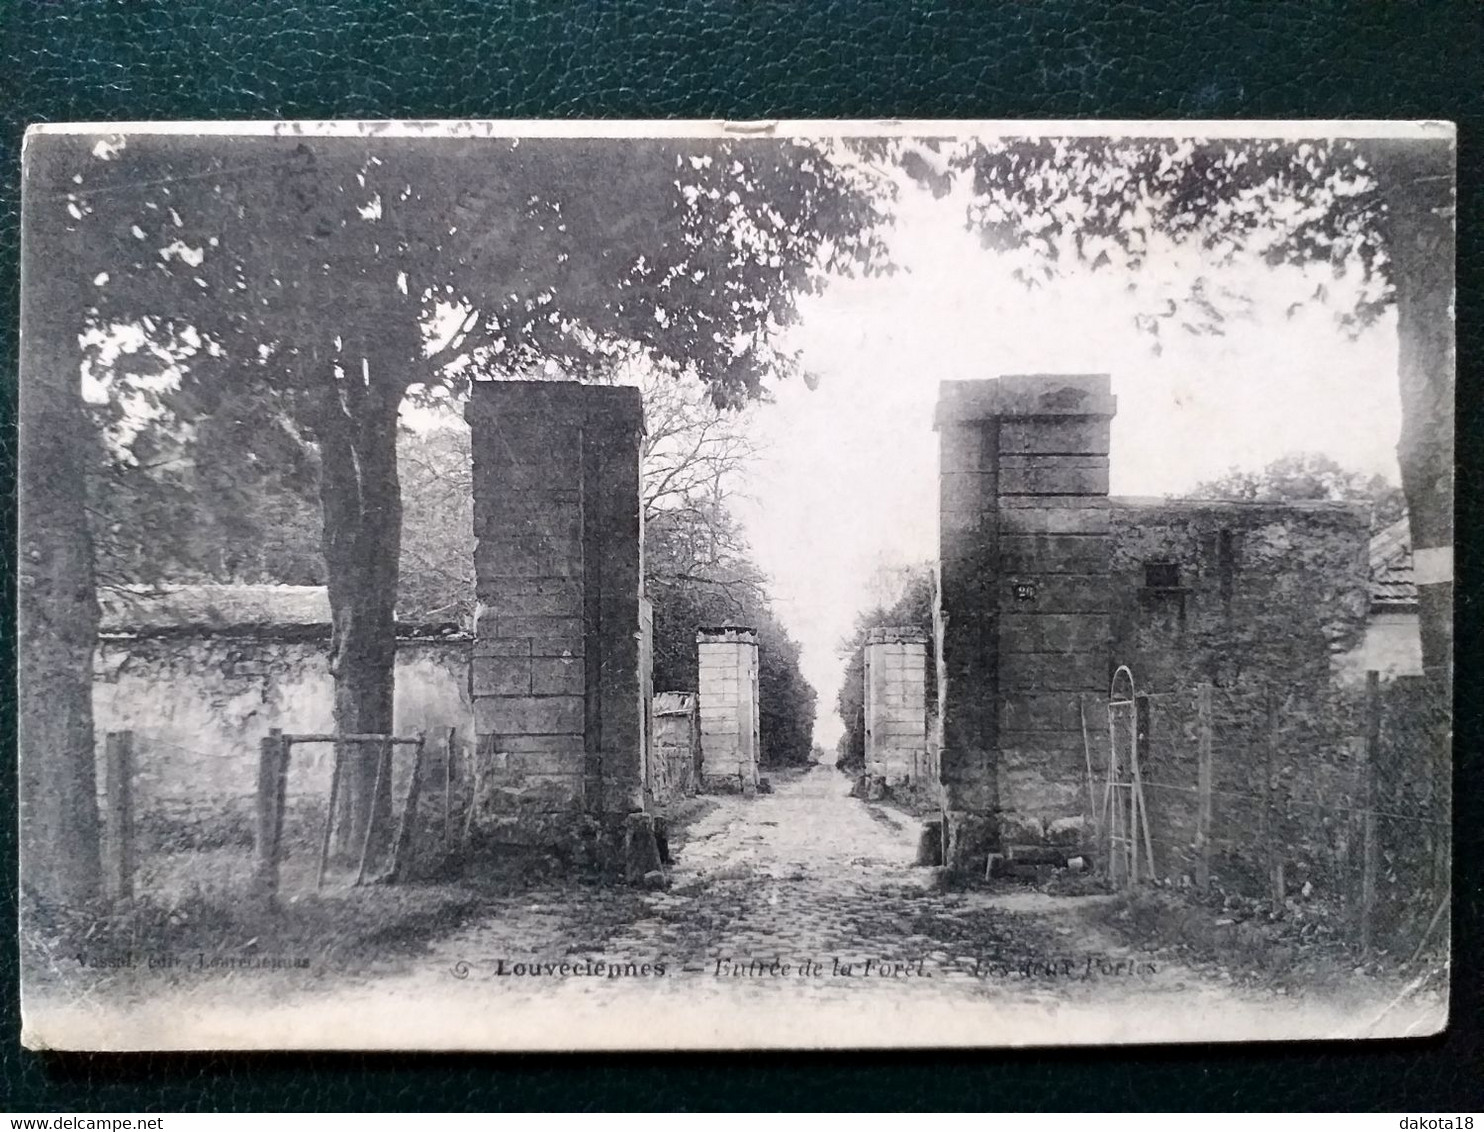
<point>308,266</point>
<point>1308,475</point>
<point>1109,202</point>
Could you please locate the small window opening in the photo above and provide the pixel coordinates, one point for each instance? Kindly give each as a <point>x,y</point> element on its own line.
<point>1161,576</point>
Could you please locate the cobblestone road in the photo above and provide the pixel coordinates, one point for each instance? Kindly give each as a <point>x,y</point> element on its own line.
<point>794,918</point>
<point>799,916</point>
<point>809,875</point>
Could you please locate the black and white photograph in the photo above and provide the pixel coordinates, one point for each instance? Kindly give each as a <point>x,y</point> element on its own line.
<point>513,586</point>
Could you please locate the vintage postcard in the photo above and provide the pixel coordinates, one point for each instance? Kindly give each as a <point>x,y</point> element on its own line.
<point>515,586</point>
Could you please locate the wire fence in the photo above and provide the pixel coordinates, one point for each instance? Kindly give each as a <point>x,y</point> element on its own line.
<point>181,821</point>
<point>1339,797</point>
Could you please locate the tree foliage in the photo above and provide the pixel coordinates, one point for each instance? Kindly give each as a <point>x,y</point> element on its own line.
<point>689,595</point>
<point>1117,202</point>
<point>1106,201</point>
<point>234,504</point>
<point>437,568</point>
<point>290,262</point>
<point>1308,475</point>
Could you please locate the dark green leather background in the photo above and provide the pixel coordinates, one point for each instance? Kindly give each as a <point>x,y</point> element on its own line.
<point>137,59</point>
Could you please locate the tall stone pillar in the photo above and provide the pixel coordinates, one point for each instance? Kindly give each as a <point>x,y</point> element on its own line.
<point>730,745</point>
<point>896,704</point>
<point>555,677</point>
<point>1023,602</point>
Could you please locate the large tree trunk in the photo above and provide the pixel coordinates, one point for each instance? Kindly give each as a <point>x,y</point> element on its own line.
<point>58,609</point>
<point>1417,180</point>
<point>361,501</point>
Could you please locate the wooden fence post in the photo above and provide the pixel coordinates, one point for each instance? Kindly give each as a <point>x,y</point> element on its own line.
<point>1370,847</point>
<point>1437,731</point>
<point>1203,813</point>
<point>402,847</point>
<point>118,819</point>
<point>1345,855</point>
<point>450,745</point>
<point>273,765</point>
<point>383,770</point>
<point>324,848</point>
<point>1094,817</point>
<point>476,782</point>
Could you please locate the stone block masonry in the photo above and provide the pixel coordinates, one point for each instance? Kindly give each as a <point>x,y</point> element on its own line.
<point>1045,582</point>
<point>896,706</point>
<point>1023,603</point>
<point>730,742</point>
<point>556,681</point>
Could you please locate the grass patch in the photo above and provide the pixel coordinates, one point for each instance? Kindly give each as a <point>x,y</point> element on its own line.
<point>879,815</point>
<point>682,814</point>
<point>918,805</point>
<point>195,932</point>
<point>1305,945</point>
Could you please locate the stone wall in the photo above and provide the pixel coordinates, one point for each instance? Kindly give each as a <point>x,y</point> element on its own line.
<point>730,742</point>
<point>675,753</point>
<point>1045,585</point>
<point>1264,602</point>
<point>199,702</point>
<point>1237,594</point>
<point>556,667</point>
<point>896,706</point>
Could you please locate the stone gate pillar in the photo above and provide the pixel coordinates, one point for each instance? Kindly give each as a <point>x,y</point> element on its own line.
<point>896,704</point>
<point>555,676</point>
<point>730,744</point>
<point>1023,602</point>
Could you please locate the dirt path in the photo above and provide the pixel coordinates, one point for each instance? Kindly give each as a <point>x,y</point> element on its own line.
<point>794,916</point>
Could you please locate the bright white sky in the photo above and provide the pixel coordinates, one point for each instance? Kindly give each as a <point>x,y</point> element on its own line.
<point>847,486</point>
